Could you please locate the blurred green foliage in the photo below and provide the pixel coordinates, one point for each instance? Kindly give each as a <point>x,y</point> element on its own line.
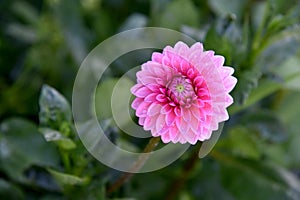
<point>44,42</point>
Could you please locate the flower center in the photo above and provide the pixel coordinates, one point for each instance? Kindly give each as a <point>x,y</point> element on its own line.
<point>181,91</point>
<point>179,88</point>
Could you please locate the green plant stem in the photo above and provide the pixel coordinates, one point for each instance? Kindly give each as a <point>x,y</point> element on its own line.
<point>65,159</point>
<point>188,167</point>
<point>153,142</point>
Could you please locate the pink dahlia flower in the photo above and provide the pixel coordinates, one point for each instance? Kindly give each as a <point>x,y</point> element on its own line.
<point>182,93</point>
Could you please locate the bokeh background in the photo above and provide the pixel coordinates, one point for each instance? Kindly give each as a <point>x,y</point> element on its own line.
<point>42,44</point>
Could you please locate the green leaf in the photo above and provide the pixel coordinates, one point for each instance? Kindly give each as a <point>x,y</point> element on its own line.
<point>287,15</point>
<point>22,32</point>
<point>103,98</point>
<point>224,37</point>
<point>93,191</point>
<point>176,14</point>
<point>258,13</point>
<point>263,180</point>
<point>67,179</point>
<point>246,96</point>
<point>278,48</point>
<point>112,100</point>
<point>268,53</point>
<point>241,142</point>
<point>288,111</point>
<point>134,21</point>
<point>290,72</point>
<point>58,138</point>
<point>26,11</point>
<point>225,7</point>
<point>75,33</point>
<point>54,108</point>
<point>247,81</point>
<point>218,43</point>
<point>266,125</point>
<point>280,6</point>
<point>21,146</point>
<point>10,191</point>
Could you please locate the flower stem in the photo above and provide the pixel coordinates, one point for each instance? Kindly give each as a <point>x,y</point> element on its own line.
<point>188,167</point>
<point>153,142</point>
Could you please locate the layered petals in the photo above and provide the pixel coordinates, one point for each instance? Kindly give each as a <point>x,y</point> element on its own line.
<point>182,94</point>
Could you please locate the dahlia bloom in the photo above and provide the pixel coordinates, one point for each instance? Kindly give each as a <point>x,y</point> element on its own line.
<point>182,93</point>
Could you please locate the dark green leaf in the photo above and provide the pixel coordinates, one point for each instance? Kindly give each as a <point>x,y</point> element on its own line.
<point>103,98</point>
<point>10,191</point>
<point>242,142</point>
<point>94,190</point>
<point>288,111</point>
<point>134,21</point>
<point>176,14</point>
<point>248,96</point>
<point>278,49</point>
<point>246,82</point>
<point>76,35</point>
<point>22,32</point>
<point>225,37</point>
<point>225,7</point>
<point>263,180</point>
<point>289,71</point>
<point>21,146</point>
<point>26,11</point>
<point>266,124</point>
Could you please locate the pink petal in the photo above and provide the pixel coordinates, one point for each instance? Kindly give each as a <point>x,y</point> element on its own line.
<point>141,111</point>
<point>170,118</point>
<point>161,98</point>
<point>151,97</point>
<point>177,111</point>
<point>186,114</point>
<point>153,87</point>
<point>190,137</point>
<point>135,88</point>
<point>160,122</point>
<point>166,109</point>
<point>142,92</point>
<point>198,81</point>
<point>148,123</point>
<point>154,109</point>
<point>181,48</point>
<point>157,57</point>
<point>226,71</point>
<point>219,60</point>
<point>229,100</point>
<point>182,139</point>
<point>142,121</point>
<point>173,132</point>
<point>190,73</point>
<point>136,102</point>
<point>196,47</point>
<point>164,130</point>
<point>184,66</point>
<point>229,83</point>
<point>166,61</point>
<point>165,138</point>
<point>182,125</point>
